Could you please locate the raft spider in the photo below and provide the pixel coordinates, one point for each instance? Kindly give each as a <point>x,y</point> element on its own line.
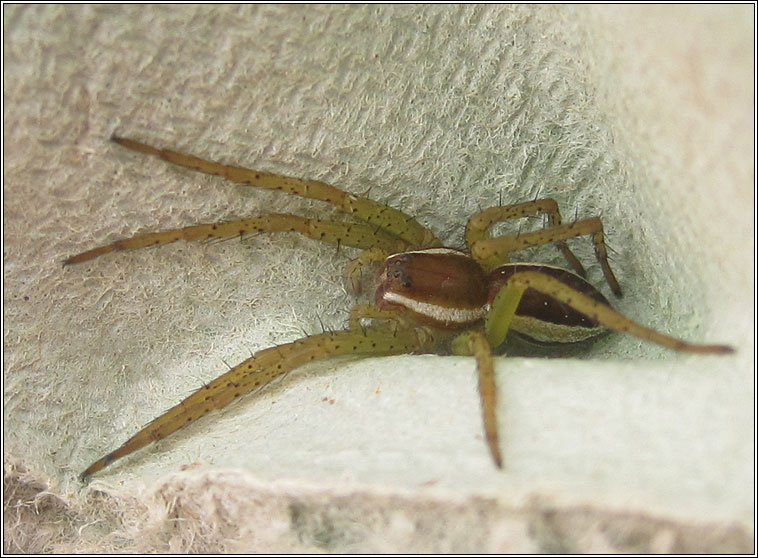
<point>430,298</point>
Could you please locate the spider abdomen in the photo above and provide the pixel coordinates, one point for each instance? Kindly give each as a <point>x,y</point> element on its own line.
<point>541,317</point>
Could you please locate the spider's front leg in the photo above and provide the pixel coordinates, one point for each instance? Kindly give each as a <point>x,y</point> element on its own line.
<point>377,214</point>
<point>383,230</point>
<point>358,235</point>
<point>266,366</point>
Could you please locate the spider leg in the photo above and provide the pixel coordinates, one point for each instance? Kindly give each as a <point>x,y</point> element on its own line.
<point>469,343</point>
<point>265,366</point>
<point>476,344</point>
<point>359,235</point>
<point>491,252</point>
<point>479,224</point>
<point>504,306</point>
<point>379,214</point>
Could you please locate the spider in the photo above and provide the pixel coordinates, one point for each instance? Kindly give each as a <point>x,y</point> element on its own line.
<point>430,298</point>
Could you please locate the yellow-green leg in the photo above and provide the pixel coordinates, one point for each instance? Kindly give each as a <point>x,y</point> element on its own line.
<point>492,252</point>
<point>262,368</point>
<point>358,235</point>
<point>505,303</point>
<point>479,224</point>
<point>476,344</point>
<point>375,213</point>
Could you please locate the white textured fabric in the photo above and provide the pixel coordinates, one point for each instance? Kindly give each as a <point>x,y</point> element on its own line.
<point>640,115</point>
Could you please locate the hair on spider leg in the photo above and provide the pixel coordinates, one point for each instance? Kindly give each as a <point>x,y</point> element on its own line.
<point>610,258</point>
<point>609,247</point>
<point>366,192</point>
<point>545,220</point>
<point>538,194</point>
<point>324,329</point>
<point>518,230</point>
<point>240,237</point>
<point>214,241</point>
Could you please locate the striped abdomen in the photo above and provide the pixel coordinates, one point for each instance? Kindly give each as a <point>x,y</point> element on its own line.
<point>543,318</point>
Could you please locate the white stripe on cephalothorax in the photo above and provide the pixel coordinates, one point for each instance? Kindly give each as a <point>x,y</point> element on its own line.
<point>438,313</point>
<point>451,251</point>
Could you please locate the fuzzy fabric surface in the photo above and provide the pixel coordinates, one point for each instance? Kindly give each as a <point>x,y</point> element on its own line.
<point>641,115</point>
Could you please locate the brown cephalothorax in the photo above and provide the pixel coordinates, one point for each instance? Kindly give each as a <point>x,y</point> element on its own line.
<point>429,298</point>
<point>440,287</point>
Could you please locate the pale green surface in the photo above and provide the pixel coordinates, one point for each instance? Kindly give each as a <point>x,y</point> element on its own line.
<point>642,117</point>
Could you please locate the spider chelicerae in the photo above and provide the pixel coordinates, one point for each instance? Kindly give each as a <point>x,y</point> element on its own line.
<point>430,298</point>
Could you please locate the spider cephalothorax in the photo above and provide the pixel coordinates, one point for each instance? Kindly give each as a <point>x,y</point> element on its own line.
<point>429,298</point>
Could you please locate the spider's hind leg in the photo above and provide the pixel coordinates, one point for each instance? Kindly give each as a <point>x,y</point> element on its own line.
<point>505,303</point>
<point>492,252</point>
<point>479,224</point>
